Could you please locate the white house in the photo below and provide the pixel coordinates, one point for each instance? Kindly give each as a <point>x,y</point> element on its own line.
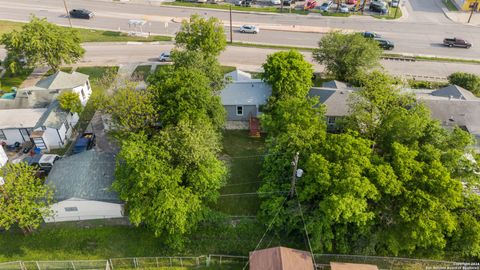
<point>82,184</point>
<point>34,114</point>
<point>3,157</point>
<point>243,96</point>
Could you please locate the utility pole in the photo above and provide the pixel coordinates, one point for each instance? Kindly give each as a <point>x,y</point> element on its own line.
<point>231,30</point>
<point>68,14</point>
<point>281,6</point>
<point>474,8</point>
<point>294,175</point>
<point>363,6</point>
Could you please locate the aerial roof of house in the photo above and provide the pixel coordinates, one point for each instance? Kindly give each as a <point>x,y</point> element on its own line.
<point>334,84</point>
<point>454,92</point>
<point>60,80</point>
<point>53,117</point>
<point>352,266</point>
<point>25,99</point>
<point>335,100</point>
<point>246,93</point>
<point>20,118</point>
<point>280,258</point>
<point>239,75</point>
<point>87,175</point>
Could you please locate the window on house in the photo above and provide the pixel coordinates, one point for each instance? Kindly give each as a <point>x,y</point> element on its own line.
<point>88,85</point>
<point>67,126</point>
<point>239,110</point>
<point>331,120</point>
<point>2,135</point>
<point>83,94</point>
<point>71,209</point>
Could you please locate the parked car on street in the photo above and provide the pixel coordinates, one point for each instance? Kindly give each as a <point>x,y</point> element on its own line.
<point>351,2</point>
<point>368,34</point>
<point>326,6</point>
<point>395,3</point>
<point>343,8</point>
<point>378,6</point>
<point>81,14</point>
<point>239,3</point>
<point>275,2</point>
<point>456,42</point>
<point>165,57</point>
<point>385,44</point>
<point>249,29</point>
<point>288,2</point>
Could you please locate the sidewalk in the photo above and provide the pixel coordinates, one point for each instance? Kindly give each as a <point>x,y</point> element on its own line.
<point>462,17</point>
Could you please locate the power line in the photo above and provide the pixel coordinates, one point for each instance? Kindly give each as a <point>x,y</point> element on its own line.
<point>305,228</point>
<point>253,193</point>
<point>268,228</point>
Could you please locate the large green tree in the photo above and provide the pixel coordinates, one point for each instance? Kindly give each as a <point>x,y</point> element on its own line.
<point>200,34</point>
<point>167,179</point>
<point>42,43</point>
<point>24,200</point>
<point>346,56</point>
<point>289,74</point>
<point>466,80</point>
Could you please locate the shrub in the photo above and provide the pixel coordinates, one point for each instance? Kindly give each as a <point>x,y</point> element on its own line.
<point>468,81</point>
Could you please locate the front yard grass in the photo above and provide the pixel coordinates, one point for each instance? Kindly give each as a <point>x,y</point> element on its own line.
<point>244,158</point>
<point>90,35</point>
<point>10,80</point>
<point>141,72</point>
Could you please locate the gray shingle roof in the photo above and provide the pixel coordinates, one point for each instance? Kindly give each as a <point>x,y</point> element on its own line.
<point>53,117</point>
<point>239,75</point>
<point>87,175</point>
<point>336,101</point>
<point>61,80</point>
<point>246,93</point>
<point>335,85</point>
<point>454,91</point>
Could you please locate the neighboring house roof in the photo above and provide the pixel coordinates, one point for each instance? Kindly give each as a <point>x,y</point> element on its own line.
<point>53,117</point>
<point>336,101</point>
<point>61,80</point>
<point>87,175</point>
<point>352,266</point>
<point>246,93</point>
<point>239,75</point>
<point>280,258</point>
<point>454,92</point>
<point>335,85</point>
<point>28,99</point>
<point>20,118</point>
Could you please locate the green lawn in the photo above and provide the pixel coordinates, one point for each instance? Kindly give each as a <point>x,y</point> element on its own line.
<point>224,7</point>
<point>8,80</point>
<point>416,84</point>
<point>141,72</point>
<point>89,35</point>
<point>243,155</point>
<point>450,5</point>
<point>228,69</point>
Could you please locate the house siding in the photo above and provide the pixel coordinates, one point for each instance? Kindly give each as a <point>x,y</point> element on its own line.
<point>86,90</point>
<point>86,210</point>
<point>3,157</point>
<point>247,111</point>
<point>13,135</point>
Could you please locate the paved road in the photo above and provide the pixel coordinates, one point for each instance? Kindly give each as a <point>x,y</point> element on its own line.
<point>251,59</point>
<point>420,33</point>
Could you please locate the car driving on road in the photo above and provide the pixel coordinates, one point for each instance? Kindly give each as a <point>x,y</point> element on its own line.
<point>368,34</point>
<point>456,42</point>
<point>385,44</point>
<point>249,29</point>
<point>81,14</point>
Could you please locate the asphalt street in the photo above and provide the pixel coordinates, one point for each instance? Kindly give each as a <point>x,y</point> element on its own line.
<point>251,59</point>
<point>420,32</point>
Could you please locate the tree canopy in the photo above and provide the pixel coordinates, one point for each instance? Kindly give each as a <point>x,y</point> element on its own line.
<point>347,56</point>
<point>24,200</point>
<point>468,81</point>
<point>289,74</point>
<point>200,34</point>
<point>380,187</point>
<point>41,43</point>
<point>70,101</point>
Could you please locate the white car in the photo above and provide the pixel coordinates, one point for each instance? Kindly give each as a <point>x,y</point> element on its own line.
<point>165,57</point>
<point>395,3</point>
<point>249,29</point>
<point>275,2</point>
<point>344,8</point>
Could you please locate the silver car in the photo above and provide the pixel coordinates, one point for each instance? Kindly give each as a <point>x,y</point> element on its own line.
<point>165,57</point>
<point>249,29</point>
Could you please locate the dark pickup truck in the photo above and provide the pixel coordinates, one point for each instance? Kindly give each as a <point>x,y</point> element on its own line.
<point>456,42</point>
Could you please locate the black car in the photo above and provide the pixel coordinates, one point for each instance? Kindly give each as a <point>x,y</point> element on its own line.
<point>81,14</point>
<point>456,42</point>
<point>288,2</point>
<point>368,34</point>
<point>385,44</point>
<point>378,7</point>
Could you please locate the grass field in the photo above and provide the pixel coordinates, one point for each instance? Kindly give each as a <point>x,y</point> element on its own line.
<point>89,35</point>
<point>8,80</point>
<point>243,155</point>
<point>141,72</point>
